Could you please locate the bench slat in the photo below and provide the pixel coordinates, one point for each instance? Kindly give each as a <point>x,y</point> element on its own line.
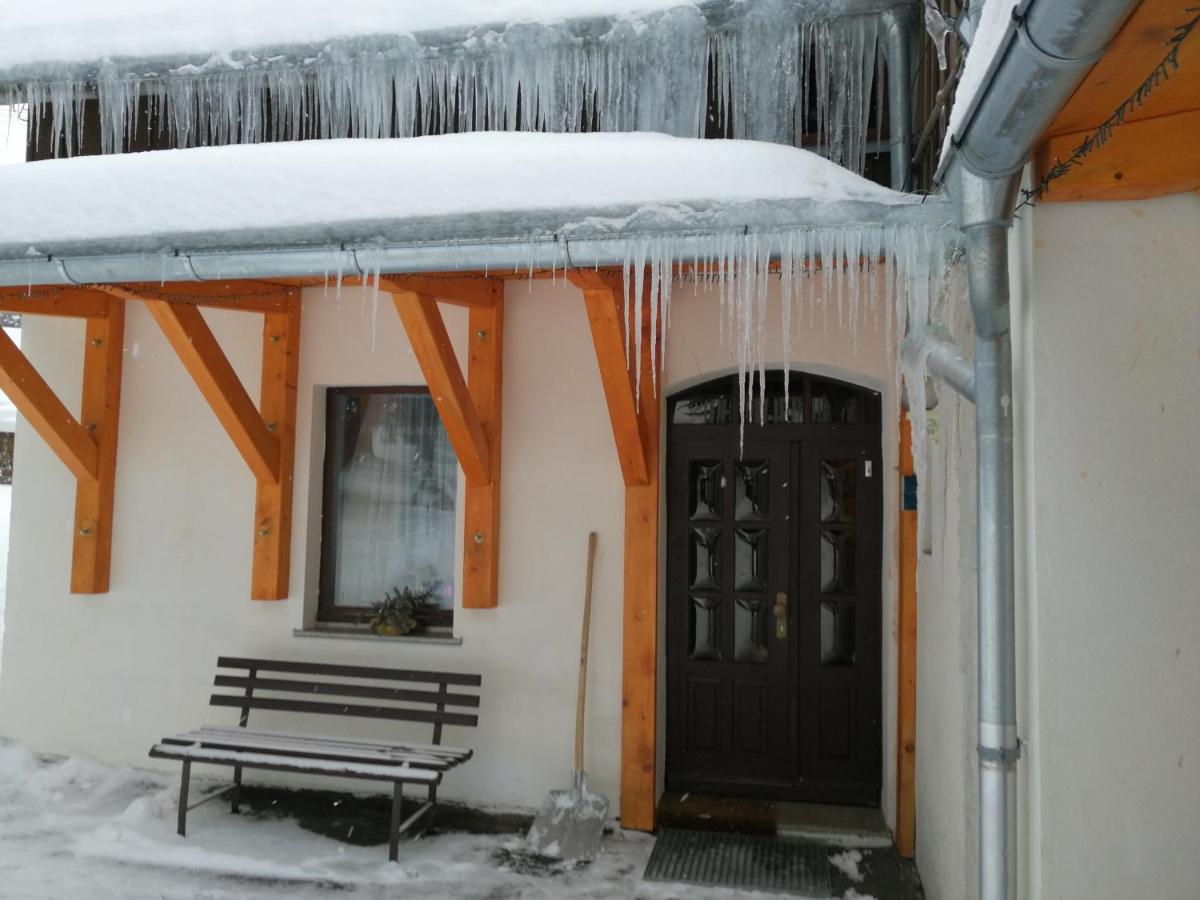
<point>345,709</point>
<point>312,748</point>
<point>430,749</point>
<point>305,668</point>
<point>345,690</point>
<point>250,760</point>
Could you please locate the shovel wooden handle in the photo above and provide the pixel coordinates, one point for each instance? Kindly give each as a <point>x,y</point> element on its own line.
<point>583,654</point>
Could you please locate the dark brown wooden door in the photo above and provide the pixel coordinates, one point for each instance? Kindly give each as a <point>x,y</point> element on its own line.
<point>773,607</point>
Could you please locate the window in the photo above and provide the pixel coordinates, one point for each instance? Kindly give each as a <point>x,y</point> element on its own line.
<point>388,515</point>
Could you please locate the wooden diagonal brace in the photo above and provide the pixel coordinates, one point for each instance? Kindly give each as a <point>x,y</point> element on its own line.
<point>39,404</point>
<point>603,296</point>
<point>187,332</point>
<point>435,354</point>
<point>100,413</point>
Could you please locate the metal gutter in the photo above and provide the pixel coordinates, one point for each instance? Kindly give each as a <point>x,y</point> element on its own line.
<point>1047,50</point>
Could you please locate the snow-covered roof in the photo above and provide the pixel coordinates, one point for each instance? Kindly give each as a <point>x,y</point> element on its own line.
<point>71,32</point>
<point>244,71</point>
<point>489,186</point>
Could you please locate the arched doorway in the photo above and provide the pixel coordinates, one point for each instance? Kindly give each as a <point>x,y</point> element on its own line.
<point>773,595</point>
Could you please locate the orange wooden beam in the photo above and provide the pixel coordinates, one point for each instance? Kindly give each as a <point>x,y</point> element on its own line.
<point>435,354</point>
<point>1141,159</point>
<point>50,300</point>
<point>100,412</point>
<point>481,553</point>
<point>475,291</point>
<point>186,331</point>
<point>639,655</point>
<point>273,501</point>
<point>603,297</point>
<point>906,707</point>
<point>69,440</point>
<point>241,296</point>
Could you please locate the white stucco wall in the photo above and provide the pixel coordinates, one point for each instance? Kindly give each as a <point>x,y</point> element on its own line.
<point>1116,376</point>
<point>1106,332</point>
<point>108,675</point>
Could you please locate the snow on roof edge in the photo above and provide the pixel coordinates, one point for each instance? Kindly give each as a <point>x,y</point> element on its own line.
<point>68,36</point>
<point>482,187</point>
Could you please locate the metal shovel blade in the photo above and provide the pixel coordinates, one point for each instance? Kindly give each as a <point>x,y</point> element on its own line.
<point>570,823</point>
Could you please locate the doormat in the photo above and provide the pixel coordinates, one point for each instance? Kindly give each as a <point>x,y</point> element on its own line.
<point>744,862</point>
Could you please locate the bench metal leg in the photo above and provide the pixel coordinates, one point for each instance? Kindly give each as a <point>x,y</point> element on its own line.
<point>184,780</point>
<point>237,790</point>
<point>394,833</point>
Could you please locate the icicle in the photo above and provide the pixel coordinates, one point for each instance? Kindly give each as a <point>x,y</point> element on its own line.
<point>787,262</point>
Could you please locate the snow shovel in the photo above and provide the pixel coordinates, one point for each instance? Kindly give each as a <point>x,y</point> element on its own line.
<point>570,823</point>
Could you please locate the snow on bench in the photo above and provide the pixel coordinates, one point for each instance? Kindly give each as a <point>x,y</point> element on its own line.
<point>398,762</point>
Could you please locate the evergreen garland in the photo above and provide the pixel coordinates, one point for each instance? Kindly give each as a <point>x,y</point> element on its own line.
<point>1098,138</point>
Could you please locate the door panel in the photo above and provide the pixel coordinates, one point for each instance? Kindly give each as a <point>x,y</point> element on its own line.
<point>729,679</point>
<point>838,590</point>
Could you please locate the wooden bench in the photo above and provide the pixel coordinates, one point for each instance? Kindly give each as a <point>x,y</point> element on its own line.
<point>426,697</point>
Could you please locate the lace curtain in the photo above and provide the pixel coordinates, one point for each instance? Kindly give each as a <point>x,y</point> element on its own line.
<point>394,497</point>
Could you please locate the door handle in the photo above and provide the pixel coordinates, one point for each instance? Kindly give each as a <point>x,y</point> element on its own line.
<point>781,616</point>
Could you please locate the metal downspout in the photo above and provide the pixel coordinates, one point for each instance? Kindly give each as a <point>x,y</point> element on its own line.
<point>985,206</point>
<point>897,24</point>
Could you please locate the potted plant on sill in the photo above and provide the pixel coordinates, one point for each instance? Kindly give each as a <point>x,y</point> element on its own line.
<point>397,613</point>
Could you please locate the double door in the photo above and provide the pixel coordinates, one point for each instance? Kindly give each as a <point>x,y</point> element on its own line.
<point>773,616</point>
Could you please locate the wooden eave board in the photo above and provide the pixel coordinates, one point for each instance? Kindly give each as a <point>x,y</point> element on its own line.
<point>1137,48</point>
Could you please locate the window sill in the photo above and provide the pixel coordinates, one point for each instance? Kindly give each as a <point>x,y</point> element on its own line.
<point>363,634</point>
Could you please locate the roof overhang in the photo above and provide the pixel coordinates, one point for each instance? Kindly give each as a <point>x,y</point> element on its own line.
<point>481,201</point>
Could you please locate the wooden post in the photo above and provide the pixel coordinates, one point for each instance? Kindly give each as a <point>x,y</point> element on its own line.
<point>481,544</point>
<point>639,661</point>
<point>100,414</point>
<point>273,500</point>
<point>906,729</point>
<point>636,433</point>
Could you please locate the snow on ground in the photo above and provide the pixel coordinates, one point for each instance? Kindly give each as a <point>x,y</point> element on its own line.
<point>320,190</point>
<point>72,828</point>
<point>77,31</point>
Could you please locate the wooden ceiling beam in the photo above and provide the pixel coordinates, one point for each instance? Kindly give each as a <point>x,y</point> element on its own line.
<point>240,296</point>
<point>435,354</point>
<point>53,300</point>
<point>603,298</point>
<point>473,291</point>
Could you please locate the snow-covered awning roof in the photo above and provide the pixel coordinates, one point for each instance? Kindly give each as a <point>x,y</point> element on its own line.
<point>170,214</point>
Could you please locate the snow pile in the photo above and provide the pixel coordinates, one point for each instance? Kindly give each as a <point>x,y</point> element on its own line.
<point>73,829</point>
<point>848,862</point>
<point>229,71</point>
